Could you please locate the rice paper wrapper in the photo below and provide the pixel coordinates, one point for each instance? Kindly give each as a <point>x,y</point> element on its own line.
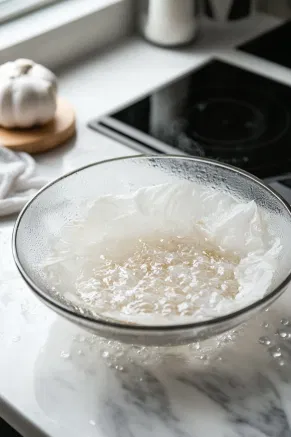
<point>183,209</point>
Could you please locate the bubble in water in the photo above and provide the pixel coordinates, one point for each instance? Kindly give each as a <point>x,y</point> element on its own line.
<point>265,341</point>
<point>80,352</point>
<point>265,325</point>
<point>285,322</point>
<point>281,363</point>
<point>92,422</point>
<point>105,354</point>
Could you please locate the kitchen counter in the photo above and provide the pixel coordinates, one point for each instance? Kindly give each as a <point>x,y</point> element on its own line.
<point>56,380</point>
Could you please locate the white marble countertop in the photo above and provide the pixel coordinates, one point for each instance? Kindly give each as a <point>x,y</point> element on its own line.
<point>58,381</point>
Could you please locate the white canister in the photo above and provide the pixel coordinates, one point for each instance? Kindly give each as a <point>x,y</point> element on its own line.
<point>168,23</point>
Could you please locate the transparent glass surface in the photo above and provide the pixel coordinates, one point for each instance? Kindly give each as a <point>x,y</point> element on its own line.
<point>63,200</point>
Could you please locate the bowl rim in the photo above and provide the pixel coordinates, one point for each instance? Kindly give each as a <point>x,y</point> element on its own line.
<point>51,302</point>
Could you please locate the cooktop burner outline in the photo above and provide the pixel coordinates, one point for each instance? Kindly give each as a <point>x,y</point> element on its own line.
<point>228,113</point>
<point>254,124</point>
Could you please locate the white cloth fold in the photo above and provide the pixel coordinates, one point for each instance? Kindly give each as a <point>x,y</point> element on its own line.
<point>17,180</point>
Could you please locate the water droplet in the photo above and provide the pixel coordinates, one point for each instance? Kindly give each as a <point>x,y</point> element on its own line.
<point>92,422</point>
<point>141,379</point>
<point>219,358</point>
<point>120,368</point>
<point>281,363</point>
<point>275,352</point>
<point>81,339</point>
<point>265,341</point>
<point>65,355</point>
<point>80,352</point>
<point>285,322</point>
<point>105,354</point>
<point>265,325</point>
<point>195,346</point>
<point>283,334</point>
<point>203,357</point>
<point>267,309</point>
<point>16,338</point>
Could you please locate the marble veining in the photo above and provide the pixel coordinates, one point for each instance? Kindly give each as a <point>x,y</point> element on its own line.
<point>253,409</point>
<point>227,387</point>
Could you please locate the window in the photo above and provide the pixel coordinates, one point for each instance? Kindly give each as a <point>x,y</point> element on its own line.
<point>10,9</point>
<point>81,26</point>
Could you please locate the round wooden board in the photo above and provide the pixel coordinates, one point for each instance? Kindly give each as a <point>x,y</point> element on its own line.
<point>42,138</point>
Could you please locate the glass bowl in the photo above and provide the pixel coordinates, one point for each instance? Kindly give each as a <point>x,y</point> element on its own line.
<point>60,202</point>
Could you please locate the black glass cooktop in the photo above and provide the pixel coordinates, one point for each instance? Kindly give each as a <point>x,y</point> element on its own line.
<point>219,111</point>
<point>273,45</point>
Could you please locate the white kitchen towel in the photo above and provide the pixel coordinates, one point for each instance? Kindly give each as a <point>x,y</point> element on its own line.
<point>17,180</point>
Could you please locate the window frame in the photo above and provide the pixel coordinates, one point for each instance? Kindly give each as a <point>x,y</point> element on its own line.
<point>11,9</point>
<point>60,34</point>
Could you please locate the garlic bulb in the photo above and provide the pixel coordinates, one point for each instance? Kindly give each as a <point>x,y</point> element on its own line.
<point>28,94</point>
